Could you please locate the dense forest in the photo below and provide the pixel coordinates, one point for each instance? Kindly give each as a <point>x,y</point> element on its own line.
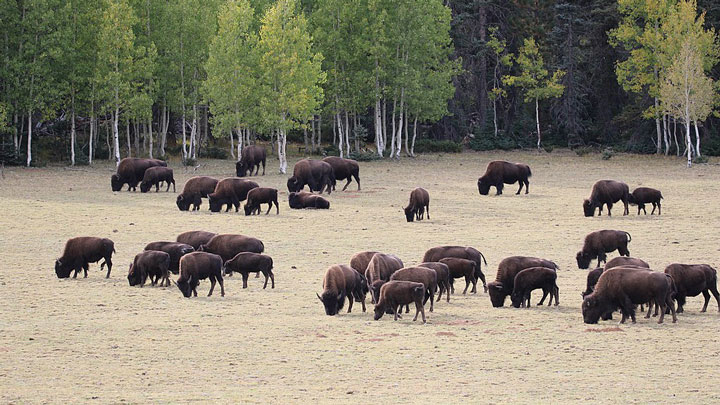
<point>85,79</point>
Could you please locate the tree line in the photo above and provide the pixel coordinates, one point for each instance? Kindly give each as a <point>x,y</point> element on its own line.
<point>149,73</point>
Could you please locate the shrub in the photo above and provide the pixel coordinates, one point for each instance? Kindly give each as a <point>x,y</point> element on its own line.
<point>583,150</point>
<point>364,156</point>
<point>432,146</point>
<point>548,148</point>
<point>607,153</point>
<point>701,159</point>
<point>492,143</point>
<point>213,152</point>
<point>190,162</point>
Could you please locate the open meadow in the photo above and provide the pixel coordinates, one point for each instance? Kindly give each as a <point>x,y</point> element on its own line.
<point>99,340</point>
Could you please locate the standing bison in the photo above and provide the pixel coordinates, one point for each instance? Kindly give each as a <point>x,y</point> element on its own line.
<point>532,279</point>
<point>154,176</point>
<point>81,251</point>
<point>230,191</point>
<point>693,279</point>
<point>195,189</point>
<point>462,252</point>
<point>606,192</point>
<point>508,268</point>
<point>379,270</point>
<point>344,169</point>
<point>318,175</point>
<point>341,282</point>
<point>151,264</point>
<point>594,275</point>
<point>131,171</point>
<point>646,195</point>
<point>198,266</point>
<point>600,242</point>
<point>195,238</point>
<point>251,157</point>
<point>500,172</point>
<point>229,245</point>
<point>419,203</point>
<point>176,251</point>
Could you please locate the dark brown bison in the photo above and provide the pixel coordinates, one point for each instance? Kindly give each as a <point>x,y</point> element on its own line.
<point>131,171</point>
<point>261,195</point>
<point>461,268</point>
<point>198,266</point>
<point>80,252</point>
<point>394,294</point>
<point>195,189</point>
<point>154,176</point>
<point>151,264</point>
<point>533,279</point>
<point>693,279</point>
<point>228,245</point>
<point>344,169</point>
<point>646,195</point>
<point>303,199</point>
<point>443,277</point>
<point>594,275</point>
<point>625,287</point>
<point>230,191</point>
<point>248,262</point>
<point>462,252</point>
<point>600,242</point>
<point>606,192</point>
<point>318,175</point>
<point>500,172</point>
<point>379,270</point>
<point>508,268</point>
<point>423,275</point>
<point>176,251</point>
<point>195,238</point>
<point>341,282</point>
<point>419,203</point>
<point>251,157</point>
<point>360,260</point>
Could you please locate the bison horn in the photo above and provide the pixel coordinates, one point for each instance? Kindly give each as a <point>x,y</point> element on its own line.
<point>174,282</point>
<point>318,295</point>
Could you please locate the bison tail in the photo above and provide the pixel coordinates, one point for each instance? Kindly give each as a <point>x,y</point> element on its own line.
<point>529,172</point>
<point>483,257</point>
<point>629,237</point>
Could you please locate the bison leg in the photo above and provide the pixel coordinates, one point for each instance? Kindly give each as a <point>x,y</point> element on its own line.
<point>212,285</point>
<point>432,300</point>
<point>440,291</point>
<point>257,169</point>
<point>557,295</point>
<point>520,183</point>
<point>85,268</point>
<point>245,278</point>
<point>627,209</point>
<point>706,295</point>
<point>419,309</point>
<point>357,179</point>
<point>680,303</point>
<point>447,290</point>
<point>350,300</point>
<point>107,261</point>
<point>669,303</point>
<point>527,186</point>
<point>452,285</point>
<point>467,284</point>
<point>349,180</point>
<point>427,209</point>
<point>499,188</point>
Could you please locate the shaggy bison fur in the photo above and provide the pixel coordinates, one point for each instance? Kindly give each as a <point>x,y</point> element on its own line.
<point>693,279</point>
<point>461,268</point>
<point>156,175</point>
<point>248,262</point>
<point>229,245</point>
<point>394,294</point>
<point>131,171</point>
<point>195,189</point>
<point>532,279</point>
<point>318,175</point>
<point>303,199</point>
<point>462,252</point>
<point>251,157</point>
<point>594,275</point>
<point>379,270</point>
<point>176,251</point>
<point>195,238</point>
<point>261,195</point>
<point>359,261</point>
<point>606,192</point>
<point>443,277</point>
<point>344,169</point>
<point>419,203</point>
<point>341,281</point>
<point>600,242</point>
<point>646,195</point>
<point>423,275</point>
<point>230,191</point>
<point>151,264</point>
<point>198,266</point>
<point>508,268</point>
<point>500,172</point>
<point>80,252</point>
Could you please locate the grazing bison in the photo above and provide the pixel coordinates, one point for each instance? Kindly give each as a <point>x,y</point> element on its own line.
<point>532,279</point>
<point>500,172</point>
<point>443,277</point>
<point>341,281</point>
<point>359,261</point>
<point>344,169</point>
<point>261,195</point>
<point>508,268</point>
<point>646,195</point>
<point>625,287</point>
<point>81,251</point>
<point>230,191</point>
<point>693,279</point>
<point>195,238</point>
<point>600,242</point>
<point>318,175</point>
<point>425,276</point>
<point>606,192</point>
<point>198,266</point>
<point>394,294</point>
<point>250,157</point>
<point>303,199</point>
<point>151,263</point>
<point>379,270</point>
<point>461,268</point>
<point>248,262</point>
<point>594,275</point>
<point>176,251</point>
<point>131,171</point>
<point>228,245</point>
<point>462,252</point>
<point>156,175</point>
<point>419,203</point>
<point>194,190</point>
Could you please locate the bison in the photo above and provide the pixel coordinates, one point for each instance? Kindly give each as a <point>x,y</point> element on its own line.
<point>248,262</point>
<point>131,171</point>
<point>419,203</point>
<point>691,280</point>
<point>461,268</point>
<point>251,157</point>
<point>198,266</point>
<point>508,268</point>
<point>462,252</point>
<point>394,294</point>
<point>230,191</point>
<point>151,263</point>
<point>425,276</point>
<point>359,261</point>
<point>443,277</point>
<point>195,189</point>
<point>176,251</point>
<point>606,192</point>
<point>623,288</point>
<point>532,279</point>
<point>594,275</point>
<point>195,238</point>
<point>379,270</point>
<point>261,195</point>
<point>229,245</point>
<point>344,169</point>
<point>156,175</point>
<point>600,242</point>
<point>303,199</point>
<point>646,195</point>
<point>81,251</point>
<point>318,175</point>
<point>500,172</point>
<point>341,281</point>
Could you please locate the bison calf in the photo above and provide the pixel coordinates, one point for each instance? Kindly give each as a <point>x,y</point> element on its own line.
<point>248,262</point>
<point>198,266</point>
<point>395,294</point>
<point>156,175</point>
<point>251,157</point>
<point>443,277</point>
<point>508,268</point>
<point>174,249</point>
<point>423,275</point>
<point>344,169</point>
<point>693,279</point>
<point>230,192</point>
<point>341,282</point>
<point>194,191</point>
<point>150,263</point>
<point>600,242</point>
<point>379,270</point>
<point>261,195</point>
<point>646,195</point>
<point>80,252</point>
<point>419,203</point>
<point>461,268</point>
<point>532,279</point>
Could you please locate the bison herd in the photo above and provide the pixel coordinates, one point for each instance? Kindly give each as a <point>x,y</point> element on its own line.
<point>621,284</point>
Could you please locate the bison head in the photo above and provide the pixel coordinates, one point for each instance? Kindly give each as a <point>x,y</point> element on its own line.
<point>145,186</point>
<point>183,203</point>
<point>294,184</point>
<point>240,169</point>
<point>591,309</point>
<point>517,300</point>
<point>115,182</point>
<point>483,187</point>
<point>215,203</point>
<point>588,208</point>
<point>583,259</point>
<point>248,209</point>
<point>375,289</point>
<point>61,270</point>
<point>409,214</point>
<point>497,293</point>
<point>186,286</point>
<point>379,311</point>
<point>134,277</point>
<point>333,303</point>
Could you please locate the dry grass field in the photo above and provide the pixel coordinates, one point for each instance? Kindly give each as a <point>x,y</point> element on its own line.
<point>98,340</point>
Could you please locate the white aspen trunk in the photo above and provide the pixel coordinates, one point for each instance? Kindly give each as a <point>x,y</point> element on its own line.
<point>29,138</point>
<point>537,122</point>
<point>312,137</point>
<point>150,136</point>
<point>495,116</point>
<point>398,147</point>
<point>688,141</point>
<point>666,134</point>
<point>281,142</point>
<point>378,130</point>
<point>334,142</point>
<point>677,144</point>
<point>92,131</point>
<point>72,128</point>
<point>407,137</point>
<point>22,131</point>
<point>412,147</point>
<point>657,123</point>
<point>137,138</point>
<point>193,134</point>
<point>127,133</point>
<point>347,134</point>
<point>341,136</point>
<point>107,140</point>
<point>116,133</point>
<point>164,124</point>
<point>384,122</point>
<point>319,132</point>
<point>15,134</point>
<point>392,140</point>
<point>697,139</point>
<point>241,142</point>
<point>232,143</point>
